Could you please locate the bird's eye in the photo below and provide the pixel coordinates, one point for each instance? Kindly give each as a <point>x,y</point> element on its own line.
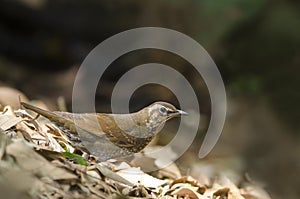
<point>163,110</point>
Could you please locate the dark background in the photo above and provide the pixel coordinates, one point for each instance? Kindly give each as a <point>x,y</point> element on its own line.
<point>255,45</point>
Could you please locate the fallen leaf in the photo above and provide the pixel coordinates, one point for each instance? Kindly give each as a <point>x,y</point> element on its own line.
<point>187,192</point>
<point>135,175</point>
<point>33,162</point>
<point>110,174</point>
<point>9,121</point>
<point>254,192</point>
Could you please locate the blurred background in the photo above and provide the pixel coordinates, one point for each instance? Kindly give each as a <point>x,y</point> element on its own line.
<point>255,45</point>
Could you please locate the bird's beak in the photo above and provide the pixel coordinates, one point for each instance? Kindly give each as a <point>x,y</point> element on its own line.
<point>180,112</point>
<point>177,113</point>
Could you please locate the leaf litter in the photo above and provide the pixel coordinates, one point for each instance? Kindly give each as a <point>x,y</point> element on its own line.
<point>38,161</point>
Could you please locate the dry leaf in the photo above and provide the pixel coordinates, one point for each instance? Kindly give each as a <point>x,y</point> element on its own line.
<point>110,174</point>
<point>8,121</point>
<point>190,180</point>
<point>254,192</point>
<point>35,163</point>
<point>135,176</point>
<point>187,192</point>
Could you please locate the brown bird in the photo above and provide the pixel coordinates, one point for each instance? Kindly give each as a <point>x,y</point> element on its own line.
<point>112,135</point>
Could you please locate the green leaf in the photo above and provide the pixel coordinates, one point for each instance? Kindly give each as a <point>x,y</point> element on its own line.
<point>75,158</point>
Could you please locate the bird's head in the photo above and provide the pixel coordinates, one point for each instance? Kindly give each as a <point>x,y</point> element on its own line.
<point>160,112</point>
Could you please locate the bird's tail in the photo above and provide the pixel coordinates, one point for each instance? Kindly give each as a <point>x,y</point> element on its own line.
<point>48,114</point>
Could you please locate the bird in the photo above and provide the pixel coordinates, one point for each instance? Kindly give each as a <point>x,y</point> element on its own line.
<point>108,136</point>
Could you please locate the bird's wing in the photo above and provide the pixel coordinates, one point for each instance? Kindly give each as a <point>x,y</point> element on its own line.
<point>116,128</point>
<point>85,121</point>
